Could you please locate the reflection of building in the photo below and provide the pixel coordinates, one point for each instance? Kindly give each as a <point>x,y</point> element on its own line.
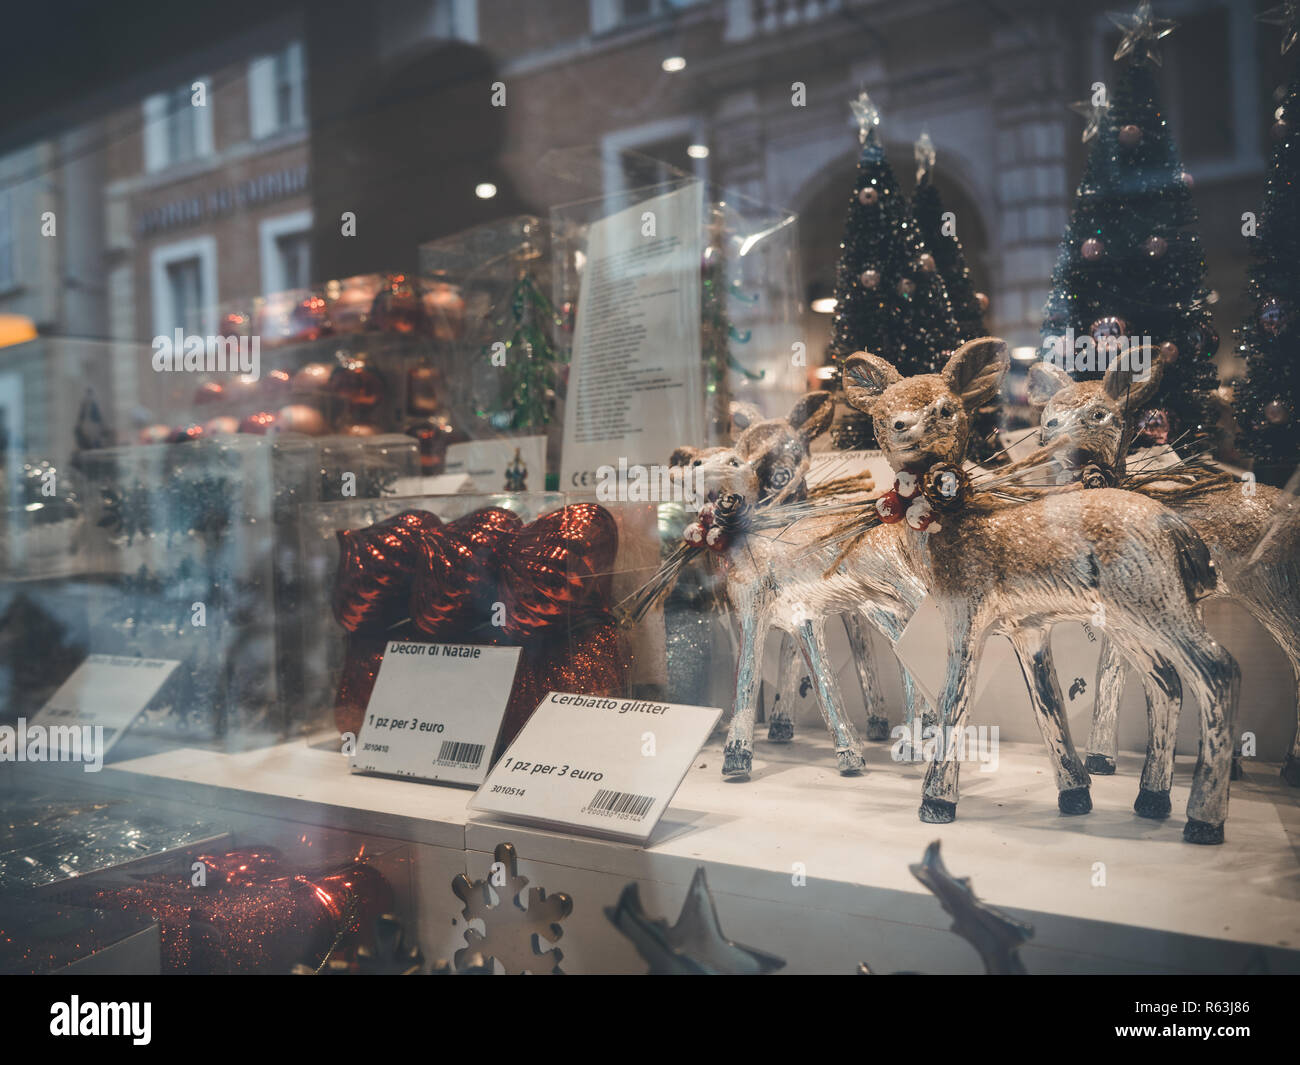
<point>208,196</point>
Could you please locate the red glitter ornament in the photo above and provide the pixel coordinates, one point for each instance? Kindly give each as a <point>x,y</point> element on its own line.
<point>376,568</point>
<point>456,574</point>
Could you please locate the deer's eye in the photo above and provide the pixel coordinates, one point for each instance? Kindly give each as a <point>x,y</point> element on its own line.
<point>733,462</point>
<point>946,411</point>
<point>1052,423</point>
<point>1099,416</point>
<point>900,425</point>
<point>698,462</point>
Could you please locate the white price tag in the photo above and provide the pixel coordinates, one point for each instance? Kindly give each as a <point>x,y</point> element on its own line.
<point>435,711</point>
<point>603,766</point>
<point>108,692</point>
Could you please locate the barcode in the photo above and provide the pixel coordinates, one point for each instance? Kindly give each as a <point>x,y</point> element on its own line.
<point>620,804</point>
<point>461,755</point>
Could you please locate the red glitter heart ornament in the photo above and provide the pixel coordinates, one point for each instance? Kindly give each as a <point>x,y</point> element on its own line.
<point>557,566</point>
<point>456,577</point>
<point>376,566</point>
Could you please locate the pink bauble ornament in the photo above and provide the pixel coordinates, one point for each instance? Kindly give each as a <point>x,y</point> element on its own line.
<point>868,197</point>
<point>182,434</point>
<point>1279,130</point>
<point>209,392</point>
<point>1187,179</point>
<point>870,278</point>
<point>982,302</point>
<point>1108,328</point>
<point>1130,136</point>
<point>275,385</point>
<point>258,424</point>
<point>1092,249</point>
<point>311,378</point>
<point>300,418</point>
<point>906,287</point>
<point>1277,412</point>
<point>927,262</point>
<point>1155,246</point>
<point>1168,352</point>
<point>222,425</point>
<point>1273,316</point>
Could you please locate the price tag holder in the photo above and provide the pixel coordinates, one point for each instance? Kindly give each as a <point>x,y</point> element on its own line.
<point>600,766</point>
<point>108,692</point>
<point>435,711</point>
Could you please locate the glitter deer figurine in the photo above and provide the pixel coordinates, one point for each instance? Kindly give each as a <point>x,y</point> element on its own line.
<point>1252,532</point>
<point>1017,568</point>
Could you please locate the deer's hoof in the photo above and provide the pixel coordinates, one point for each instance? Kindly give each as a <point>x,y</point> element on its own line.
<point>1152,804</point>
<point>877,729</point>
<point>938,811</point>
<point>1291,770</point>
<point>1100,765</point>
<point>1202,832</point>
<point>850,761</point>
<point>1073,801</point>
<point>780,729</point>
<point>737,761</point>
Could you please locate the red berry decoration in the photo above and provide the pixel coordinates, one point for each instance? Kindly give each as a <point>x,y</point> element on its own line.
<point>890,507</point>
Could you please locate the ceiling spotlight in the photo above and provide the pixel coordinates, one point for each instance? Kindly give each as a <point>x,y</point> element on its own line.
<point>485,190</point>
<point>1025,354</point>
<point>697,151</point>
<point>673,64</point>
<point>823,305</point>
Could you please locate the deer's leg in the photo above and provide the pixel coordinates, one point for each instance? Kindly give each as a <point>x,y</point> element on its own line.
<point>1215,680</point>
<point>780,725</point>
<point>1103,743</point>
<point>877,716</point>
<point>1164,699</point>
<point>738,754</point>
<point>1034,652</point>
<point>811,633</point>
<point>891,622</point>
<point>939,793</point>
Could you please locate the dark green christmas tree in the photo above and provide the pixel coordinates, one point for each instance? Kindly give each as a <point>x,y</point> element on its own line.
<point>1266,400</point>
<point>939,234</point>
<point>531,369</point>
<point>890,296</point>
<point>1131,264</point>
<point>717,331</point>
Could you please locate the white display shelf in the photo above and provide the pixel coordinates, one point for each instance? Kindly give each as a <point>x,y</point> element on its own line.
<point>1107,892</point>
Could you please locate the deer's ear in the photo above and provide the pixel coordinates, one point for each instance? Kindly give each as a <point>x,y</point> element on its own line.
<point>1045,380</point>
<point>812,415</point>
<point>743,415</point>
<point>1123,384</point>
<point>865,377</point>
<point>976,369</point>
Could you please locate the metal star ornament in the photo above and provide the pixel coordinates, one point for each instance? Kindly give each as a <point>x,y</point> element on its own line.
<point>1286,15</point>
<point>1141,32</point>
<point>923,151</point>
<point>1094,112</point>
<point>866,113</point>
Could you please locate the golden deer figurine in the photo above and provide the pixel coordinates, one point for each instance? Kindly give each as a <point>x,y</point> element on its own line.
<point>1252,532</point>
<point>1017,568</point>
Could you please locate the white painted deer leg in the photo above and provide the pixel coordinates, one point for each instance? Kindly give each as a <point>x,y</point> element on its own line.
<point>872,699</point>
<point>1103,742</point>
<point>738,754</point>
<point>811,634</point>
<point>1215,680</point>
<point>939,793</point>
<point>1033,650</point>
<point>1164,699</point>
<point>891,622</point>
<point>780,723</point>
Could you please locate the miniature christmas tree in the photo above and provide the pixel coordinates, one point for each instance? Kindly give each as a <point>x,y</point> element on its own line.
<point>1131,265</point>
<point>939,234</point>
<point>531,363</point>
<point>1265,401</point>
<point>890,296</point>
